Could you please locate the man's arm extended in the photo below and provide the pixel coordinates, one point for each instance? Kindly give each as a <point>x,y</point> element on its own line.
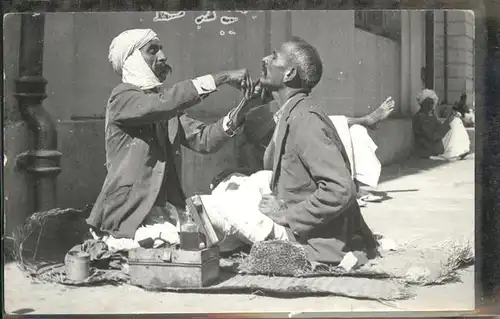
<point>335,189</point>
<point>203,138</point>
<point>134,107</point>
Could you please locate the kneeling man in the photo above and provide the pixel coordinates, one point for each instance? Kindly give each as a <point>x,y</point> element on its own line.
<point>145,126</point>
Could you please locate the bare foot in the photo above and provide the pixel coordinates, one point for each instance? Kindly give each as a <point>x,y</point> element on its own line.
<point>381,113</point>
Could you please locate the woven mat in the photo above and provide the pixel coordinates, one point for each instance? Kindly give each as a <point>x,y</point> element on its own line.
<point>233,265</point>
<point>353,287</point>
<point>413,265</point>
<point>284,287</point>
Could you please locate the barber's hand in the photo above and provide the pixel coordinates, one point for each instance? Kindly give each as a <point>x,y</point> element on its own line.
<point>253,96</point>
<point>273,208</point>
<point>238,114</point>
<point>248,102</point>
<point>260,93</point>
<point>240,79</point>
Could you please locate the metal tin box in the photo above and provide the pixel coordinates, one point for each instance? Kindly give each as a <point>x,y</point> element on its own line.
<point>174,268</point>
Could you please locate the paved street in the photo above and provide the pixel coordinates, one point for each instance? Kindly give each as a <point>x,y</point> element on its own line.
<point>431,202</point>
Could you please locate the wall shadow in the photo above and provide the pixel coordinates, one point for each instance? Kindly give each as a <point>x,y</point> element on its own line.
<point>411,166</point>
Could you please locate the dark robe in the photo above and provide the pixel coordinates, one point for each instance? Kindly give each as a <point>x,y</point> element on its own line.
<point>428,132</point>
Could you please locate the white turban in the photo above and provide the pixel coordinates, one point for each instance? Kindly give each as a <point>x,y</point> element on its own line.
<point>126,43</point>
<point>425,94</point>
<point>127,60</point>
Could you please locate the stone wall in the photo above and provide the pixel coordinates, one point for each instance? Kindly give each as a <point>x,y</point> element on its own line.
<point>79,80</point>
<point>460,62</point>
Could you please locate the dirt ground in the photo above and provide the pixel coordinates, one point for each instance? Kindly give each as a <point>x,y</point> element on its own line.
<point>430,202</point>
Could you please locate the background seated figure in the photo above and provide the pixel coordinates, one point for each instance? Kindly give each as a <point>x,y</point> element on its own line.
<point>446,139</point>
<point>465,111</point>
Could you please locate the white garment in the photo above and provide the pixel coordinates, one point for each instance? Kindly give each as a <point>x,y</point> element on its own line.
<point>137,72</point>
<point>360,148</point>
<point>456,142</point>
<point>126,43</point>
<point>425,94</point>
<point>234,211</point>
<point>277,118</point>
<point>154,227</point>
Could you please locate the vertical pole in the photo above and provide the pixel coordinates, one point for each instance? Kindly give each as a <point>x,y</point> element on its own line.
<point>43,160</point>
<point>429,49</point>
<point>405,59</point>
<point>445,59</point>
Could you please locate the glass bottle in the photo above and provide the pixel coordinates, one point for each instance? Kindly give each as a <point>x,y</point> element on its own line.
<point>189,232</point>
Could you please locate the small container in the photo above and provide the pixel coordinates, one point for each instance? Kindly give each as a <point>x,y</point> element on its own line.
<point>77,265</point>
<point>190,236</point>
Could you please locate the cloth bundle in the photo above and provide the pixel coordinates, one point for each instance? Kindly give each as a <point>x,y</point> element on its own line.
<point>233,208</point>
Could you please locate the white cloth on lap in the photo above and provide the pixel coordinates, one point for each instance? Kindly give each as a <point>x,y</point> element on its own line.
<point>233,208</point>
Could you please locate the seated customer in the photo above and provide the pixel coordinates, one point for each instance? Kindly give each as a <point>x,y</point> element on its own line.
<point>309,196</point>
<point>446,139</point>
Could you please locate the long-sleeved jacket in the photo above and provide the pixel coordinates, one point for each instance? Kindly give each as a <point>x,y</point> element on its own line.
<point>144,133</point>
<point>311,175</point>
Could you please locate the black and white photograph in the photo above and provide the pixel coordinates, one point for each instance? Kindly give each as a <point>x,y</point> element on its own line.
<point>243,161</point>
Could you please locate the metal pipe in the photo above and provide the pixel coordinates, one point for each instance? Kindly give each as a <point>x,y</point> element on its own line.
<point>445,58</point>
<point>43,159</point>
<point>429,49</point>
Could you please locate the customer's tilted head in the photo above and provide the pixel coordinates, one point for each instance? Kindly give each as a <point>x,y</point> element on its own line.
<point>307,60</point>
<point>295,64</point>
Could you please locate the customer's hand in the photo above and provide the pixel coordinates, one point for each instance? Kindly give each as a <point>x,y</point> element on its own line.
<point>273,208</point>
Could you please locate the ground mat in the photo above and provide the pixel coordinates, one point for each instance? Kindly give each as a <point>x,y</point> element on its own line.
<point>391,277</point>
<point>353,287</point>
